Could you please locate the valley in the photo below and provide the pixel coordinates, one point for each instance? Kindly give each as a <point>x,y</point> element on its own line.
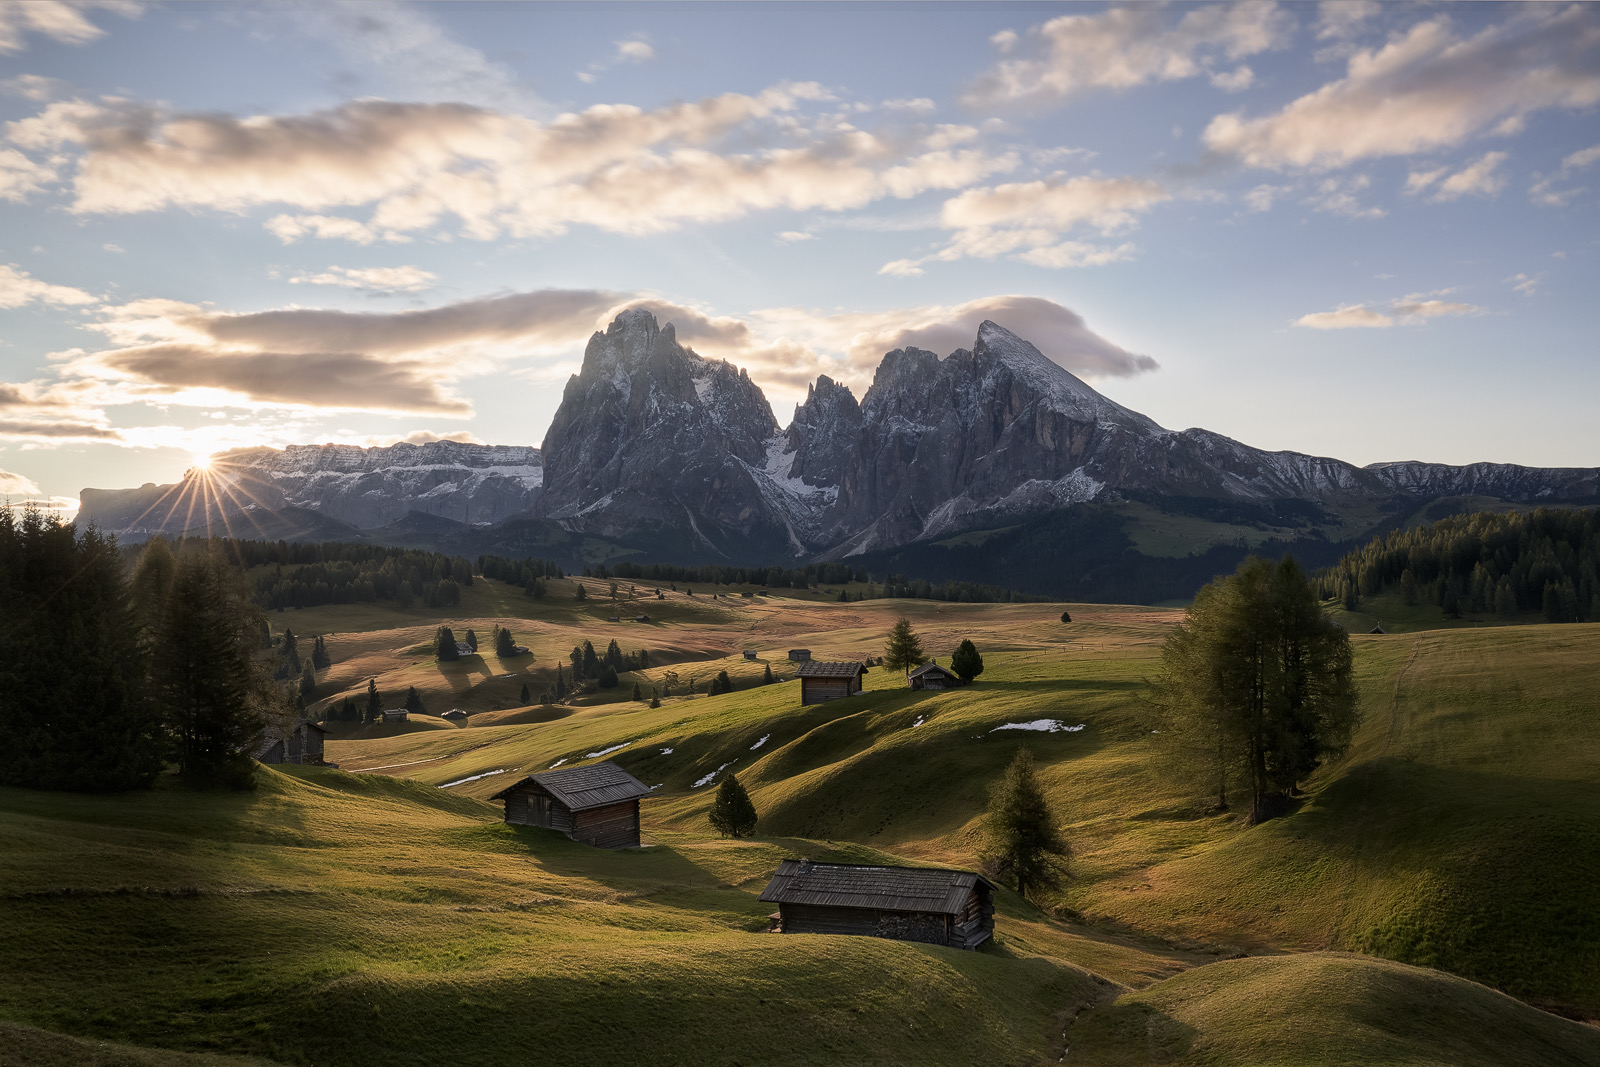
<point>1434,877</point>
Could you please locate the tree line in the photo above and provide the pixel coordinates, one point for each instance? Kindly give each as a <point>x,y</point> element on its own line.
<point>1546,560</point>
<point>106,676</point>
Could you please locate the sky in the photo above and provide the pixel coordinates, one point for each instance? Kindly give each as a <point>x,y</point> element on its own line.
<point>1352,229</point>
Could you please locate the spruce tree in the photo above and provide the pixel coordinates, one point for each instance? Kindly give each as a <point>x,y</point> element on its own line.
<point>591,662</point>
<point>561,685</point>
<point>374,701</point>
<point>655,701</point>
<point>504,646</point>
<point>614,655</point>
<point>215,694</point>
<point>1066,616</point>
<point>152,584</point>
<point>580,594</point>
<point>1022,842</point>
<point>766,674</point>
<point>637,695</point>
<point>445,649</point>
<point>525,696</point>
<point>472,640</point>
<point>966,662</point>
<point>608,678</point>
<point>903,650</point>
<point>319,655</point>
<point>414,701</point>
<point>732,814</point>
<point>308,681</point>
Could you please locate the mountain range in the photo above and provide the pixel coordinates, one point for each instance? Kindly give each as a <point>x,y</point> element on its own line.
<point>973,461</point>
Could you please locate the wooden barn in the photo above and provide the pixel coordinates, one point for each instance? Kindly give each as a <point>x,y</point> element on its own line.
<point>932,676</point>
<point>394,715</point>
<point>938,907</point>
<point>799,655</point>
<point>597,805</point>
<point>821,681</point>
<point>300,743</point>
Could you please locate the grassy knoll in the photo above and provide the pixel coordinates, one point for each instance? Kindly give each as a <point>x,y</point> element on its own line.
<point>1324,1010</point>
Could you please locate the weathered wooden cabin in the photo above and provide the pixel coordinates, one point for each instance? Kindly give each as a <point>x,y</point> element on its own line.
<point>395,715</point>
<point>300,743</point>
<point>749,653</point>
<point>938,907</point>
<point>597,805</point>
<point>799,655</point>
<point>822,681</point>
<point>932,676</point>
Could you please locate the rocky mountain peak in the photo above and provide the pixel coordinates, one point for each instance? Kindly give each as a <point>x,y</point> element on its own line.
<point>823,434</point>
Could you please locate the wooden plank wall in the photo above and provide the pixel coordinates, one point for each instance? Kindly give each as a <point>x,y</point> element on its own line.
<point>613,826</point>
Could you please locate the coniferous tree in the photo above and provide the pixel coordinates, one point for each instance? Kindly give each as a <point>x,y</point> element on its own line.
<point>65,599</point>
<point>504,646</point>
<point>308,681</point>
<point>966,662</point>
<point>290,653</point>
<point>561,685</point>
<point>614,656</point>
<point>1257,685</point>
<point>525,696</point>
<point>1066,616</point>
<point>152,584</point>
<point>608,678</point>
<point>766,674</point>
<point>214,693</point>
<point>374,701</point>
<point>445,649</point>
<point>575,657</point>
<point>414,701</point>
<point>732,813</point>
<point>903,650</point>
<point>319,655</point>
<point>580,594</point>
<point>636,693</point>
<point>1022,842</point>
<point>472,640</point>
<point>655,701</point>
<point>591,662</point>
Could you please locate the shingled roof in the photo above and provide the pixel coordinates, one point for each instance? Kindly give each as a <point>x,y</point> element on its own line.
<point>928,668</point>
<point>822,669</point>
<point>843,885</point>
<point>581,788</point>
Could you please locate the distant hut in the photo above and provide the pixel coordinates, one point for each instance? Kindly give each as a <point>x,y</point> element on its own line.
<point>1377,630</point>
<point>454,713</point>
<point>597,805</point>
<point>300,743</point>
<point>749,653</point>
<point>641,618</point>
<point>397,715</point>
<point>463,650</point>
<point>932,905</point>
<point>932,676</point>
<point>821,681</point>
<point>799,655</point>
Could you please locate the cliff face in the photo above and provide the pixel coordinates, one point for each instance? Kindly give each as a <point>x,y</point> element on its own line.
<point>656,447</point>
<point>652,439</point>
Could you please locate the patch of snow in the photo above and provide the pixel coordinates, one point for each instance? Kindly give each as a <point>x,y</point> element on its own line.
<point>597,505</point>
<point>702,387</point>
<point>919,722</point>
<point>707,779</point>
<point>474,778</point>
<point>1043,726</point>
<point>761,742</point>
<point>666,752</point>
<point>608,751</point>
<point>558,763</point>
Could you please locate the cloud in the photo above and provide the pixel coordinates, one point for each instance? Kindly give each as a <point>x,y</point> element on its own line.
<point>1261,197</point>
<point>1413,308</point>
<point>790,237</point>
<point>1126,47</point>
<point>1340,20</point>
<point>19,288</point>
<point>1476,179</point>
<point>1542,191</point>
<point>21,176</point>
<point>1526,284</point>
<point>614,167</point>
<point>1029,221</point>
<point>1341,196</point>
<point>630,51</point>
<point>55,19</point>
<point>634,51</point>
<point>11,484</point>
<point>34,87</point>
<point>417,437</point>
<point>1426,90</point>
<point>406,279</point>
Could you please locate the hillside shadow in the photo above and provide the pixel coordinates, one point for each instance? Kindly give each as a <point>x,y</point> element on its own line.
<point>459,676</point>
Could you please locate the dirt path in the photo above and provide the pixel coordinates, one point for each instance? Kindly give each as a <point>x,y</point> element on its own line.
<point>1394,697</point>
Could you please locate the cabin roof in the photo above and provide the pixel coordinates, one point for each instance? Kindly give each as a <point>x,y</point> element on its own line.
<point>845,885</point>
<point>929,668</point>
<point>824,669</point>
<point>581,788</point>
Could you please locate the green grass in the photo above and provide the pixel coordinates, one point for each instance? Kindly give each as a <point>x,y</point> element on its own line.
<point>335,917</point>
<point>1324,1010</point>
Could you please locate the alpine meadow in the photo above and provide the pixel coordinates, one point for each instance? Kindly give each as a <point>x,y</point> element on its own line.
<point>427,635</point>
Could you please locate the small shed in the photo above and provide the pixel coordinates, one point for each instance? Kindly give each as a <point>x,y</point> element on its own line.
<point>799,655</point>
<point>932,676</point>
<point>597,804</point>
<point>931,905</point>
<point>300,743</point>
<point>749,653</point>
<point>822,681</point>
<point>463,650</point>
<point>397,715</point>
<point>1377,630</point>
<point>454,713</point>
<point>613,618</point>
<point>641,618</point>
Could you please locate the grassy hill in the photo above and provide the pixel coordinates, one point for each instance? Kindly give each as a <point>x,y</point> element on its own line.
<point>336,917</point>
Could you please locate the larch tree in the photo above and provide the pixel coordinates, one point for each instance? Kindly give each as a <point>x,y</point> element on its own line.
<point>903,650</point>
<point>1022,841</point>
<point>1257,685</point>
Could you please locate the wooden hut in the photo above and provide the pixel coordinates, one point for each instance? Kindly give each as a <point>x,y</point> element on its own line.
<point>821,681</point>
<point>300,743</point>
<point>749,653</point>
<point>799,655</point>
<point>932,676</point>
<point>395,715</point>
<point>932,905</point>
<point>597,805</point>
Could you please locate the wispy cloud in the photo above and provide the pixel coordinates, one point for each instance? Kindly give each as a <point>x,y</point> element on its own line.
<point>1543,191</point>
<point>1414,308</point>
<point>1426,90</point>
<point>58,20</point>
<point>1479,178</point>
<point>407,279</point>
<point>1125,47</point>
<point>19,288</point>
